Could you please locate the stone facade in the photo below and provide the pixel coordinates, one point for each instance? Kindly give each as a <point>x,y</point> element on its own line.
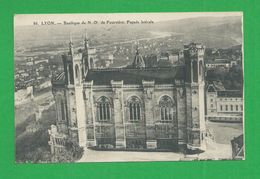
<point>137,107</point>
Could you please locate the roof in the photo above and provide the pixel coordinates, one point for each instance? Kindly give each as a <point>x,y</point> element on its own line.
<point>230,93</point>
<point>218,85</point>
<point>59,79</point>
<point>214,86</point>
<point>220,61</point>
<point>211,88</point>
<point>135,76</point>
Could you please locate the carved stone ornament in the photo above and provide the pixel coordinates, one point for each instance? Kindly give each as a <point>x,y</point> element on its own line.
<point>181,92</point>
<point>149,93</point>
<point>116,93</point>
<point>195,125</point>
<point>85,95</point>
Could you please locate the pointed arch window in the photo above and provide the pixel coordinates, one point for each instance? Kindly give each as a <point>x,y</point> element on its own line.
<point>200,68</point>
<point>71,76</point>
<point>195,71</point>
<point>62,110</point>
<point>77,75</point>
<point>103,109</point>
<point>134,105</point>
<point>167,108</point>
<point>91,62</point>
<point>77,71</point>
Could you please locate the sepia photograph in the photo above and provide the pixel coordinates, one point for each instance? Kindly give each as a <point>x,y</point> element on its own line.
<point>129,87</point>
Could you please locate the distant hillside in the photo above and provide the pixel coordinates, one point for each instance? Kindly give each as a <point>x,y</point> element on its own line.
<point>190,24</point>
<point>214,32</point>
<point>217,32</point>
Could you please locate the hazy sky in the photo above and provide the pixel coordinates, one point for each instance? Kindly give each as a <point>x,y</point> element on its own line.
<point>28,19</point>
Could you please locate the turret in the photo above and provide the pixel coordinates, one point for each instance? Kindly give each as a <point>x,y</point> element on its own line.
<point>68,65</point>
<point>71,51</point>
<point>86,43</point>
<point>72,65</point>
<point>88,57</point>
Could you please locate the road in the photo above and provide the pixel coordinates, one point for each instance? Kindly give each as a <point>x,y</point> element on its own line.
<point>214,151</point>
<point>123,156</point>
<point>224,132</point>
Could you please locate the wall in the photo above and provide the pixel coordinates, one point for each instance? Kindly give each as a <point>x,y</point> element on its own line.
<point>120,128</point>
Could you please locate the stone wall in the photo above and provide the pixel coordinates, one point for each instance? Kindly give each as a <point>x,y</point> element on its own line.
<point>119,129</point>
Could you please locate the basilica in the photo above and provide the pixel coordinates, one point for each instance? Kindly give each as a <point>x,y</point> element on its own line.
<point>134,107</point>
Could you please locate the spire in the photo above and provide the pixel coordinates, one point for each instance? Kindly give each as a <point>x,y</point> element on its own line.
<point>71,46</point>
<point>86,44</point>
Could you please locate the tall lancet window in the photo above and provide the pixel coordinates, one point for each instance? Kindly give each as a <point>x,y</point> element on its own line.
<point>103,109</point>
<point>77,75</point>
<point>195,71</point>
<point>201,70</point>
<point>134,105</point>
<point>167,108</point>
<point>62,106</point>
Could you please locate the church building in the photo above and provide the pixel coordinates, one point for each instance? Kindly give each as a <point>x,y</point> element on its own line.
<point>135,107</point>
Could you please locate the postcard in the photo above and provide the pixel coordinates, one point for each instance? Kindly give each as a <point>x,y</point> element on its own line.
<point>120,87</point>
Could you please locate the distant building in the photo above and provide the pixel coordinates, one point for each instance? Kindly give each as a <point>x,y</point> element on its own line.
<point>106,60</point>
<point>223,105</point>
<point>24,74</point>
<point>41,61</point>
<point>23,94</point>
<point>30,61</point>
<point>171,57</point>
<point>225,63</point>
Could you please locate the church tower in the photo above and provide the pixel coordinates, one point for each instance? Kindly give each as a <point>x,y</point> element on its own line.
<point>74,76</point>
<point>195,86</point>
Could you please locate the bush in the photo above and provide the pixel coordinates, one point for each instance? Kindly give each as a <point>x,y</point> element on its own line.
<point>70,153</point>
<point>64,156</point>
<point>75,149</point>
<point>232,79</point>
<point>39,155</point>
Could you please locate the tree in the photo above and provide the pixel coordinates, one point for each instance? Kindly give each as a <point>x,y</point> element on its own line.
<point>232,78</point>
